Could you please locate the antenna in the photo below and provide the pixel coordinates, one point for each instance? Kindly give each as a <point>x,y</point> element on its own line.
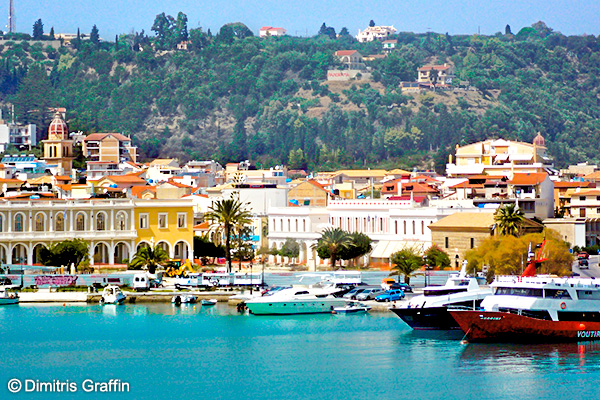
<point>11,18</point>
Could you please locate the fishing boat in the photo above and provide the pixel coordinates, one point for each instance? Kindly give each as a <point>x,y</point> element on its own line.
<point>183,299</point>
<point>112,295</point>
<point>7,298</point>
<point>429,311</point>
<point>208,302</point>
<point>352,308</point>
<point>532,308</point>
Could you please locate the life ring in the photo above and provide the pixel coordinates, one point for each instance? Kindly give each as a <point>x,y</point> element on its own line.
<point>563,305</point>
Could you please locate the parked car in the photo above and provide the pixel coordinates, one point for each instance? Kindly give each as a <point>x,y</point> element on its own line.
<point>583,255</point>
<point>584,264</point>
<point>405,287</point>
<point>390,295</point>
<point>369,294</point>
<point>352,293</point>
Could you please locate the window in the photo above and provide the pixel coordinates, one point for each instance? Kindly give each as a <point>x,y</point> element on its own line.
<point>472,242</point>
<point>121,222</point>
<point>396,227</point>
<point>19,223</point>
<point>163,221</point>
<point>80,222</point>
<point>582,198</point>
<point>40,223</point>
<point>582,212</point>
<point>1,223</point>
<point>446,242</point>
<point>100,222</point>
<point>59,223</point>
<point>414,229</point>
<point>143,221</point>
<point>304,225</point>
<point>181,220</point>
<point>422,227</point>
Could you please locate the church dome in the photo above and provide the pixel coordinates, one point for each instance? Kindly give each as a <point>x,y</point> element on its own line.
<point>58,128</point>
<point>539,140</point>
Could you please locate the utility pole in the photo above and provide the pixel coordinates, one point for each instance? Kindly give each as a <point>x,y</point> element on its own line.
<point>11,18</point>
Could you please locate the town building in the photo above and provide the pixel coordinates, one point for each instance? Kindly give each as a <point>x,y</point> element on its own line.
<point>351,59</point>
<point>500,157</point>
<point>162,169</point>
<point>308,193</point>
<point>109,147</point>
<point>20,136</point>
<point>372,33</point>
<point>389,45</point>
<point>460,232</point>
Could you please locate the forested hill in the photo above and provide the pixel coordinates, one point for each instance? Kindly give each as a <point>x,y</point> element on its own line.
<point>234,96</point>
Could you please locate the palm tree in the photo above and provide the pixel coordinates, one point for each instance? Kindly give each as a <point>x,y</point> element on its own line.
<point>509,219</point>
<point>332,242</point>
<point>406,262</point>
<point>150,257</point>
<point>226,215</point>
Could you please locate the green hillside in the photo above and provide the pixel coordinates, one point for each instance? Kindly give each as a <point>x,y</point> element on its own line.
<point>233,96</point>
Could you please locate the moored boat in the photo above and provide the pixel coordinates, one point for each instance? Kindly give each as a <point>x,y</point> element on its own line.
<point>535,308</point>
<point>7,298</point>
<point>179,299</point>
<point>313,299</point>
<point>352,308</point>
<point>112,295</point>
<point>208,302</point>
<point>429,311</point>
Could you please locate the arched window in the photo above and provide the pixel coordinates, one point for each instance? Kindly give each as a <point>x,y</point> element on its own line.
<point>396,226</point>
<point>1,223</point>
<point>100,222</point>
<point>19,223</point>
<point>59,223</point>
<point>121,222</point>
<point>80,222</point>
<point>405,227</point>
<point>40,222</point>
<point>414,228</point>
<point>422,227</point>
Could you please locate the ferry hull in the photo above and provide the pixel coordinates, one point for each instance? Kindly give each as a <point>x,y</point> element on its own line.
<point>433,318</point>
<point>290,307</point>
<point>492,326</point>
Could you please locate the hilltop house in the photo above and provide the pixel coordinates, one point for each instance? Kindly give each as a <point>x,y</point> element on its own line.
<point>375,33</point>
<point>271,31</point>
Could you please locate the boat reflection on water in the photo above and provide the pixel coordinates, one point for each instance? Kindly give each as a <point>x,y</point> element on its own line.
<point>543,355</point>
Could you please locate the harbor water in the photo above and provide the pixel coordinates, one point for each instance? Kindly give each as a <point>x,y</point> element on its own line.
<point>167,352</point>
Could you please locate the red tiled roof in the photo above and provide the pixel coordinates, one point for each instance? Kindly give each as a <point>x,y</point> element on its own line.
<point>317,184</point>
<point>568,185</point>
<point>138,191</point>
<point>129,178</point>
<point>418,187</point>
<point>532,178</point>
<point>345,52</point>
<point>102,136</point>
<point>466,184</point>
<point>437,67</point>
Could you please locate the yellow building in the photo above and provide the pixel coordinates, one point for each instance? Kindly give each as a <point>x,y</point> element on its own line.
<point>58,148</point>
<point>109,147</point>
<point>166,223</point>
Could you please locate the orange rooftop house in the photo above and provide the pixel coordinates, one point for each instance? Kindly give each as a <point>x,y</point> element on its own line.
<point>438,75</point>
<point>266,31</point>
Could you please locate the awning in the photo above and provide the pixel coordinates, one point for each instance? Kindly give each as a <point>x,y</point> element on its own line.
<point>385,248</point>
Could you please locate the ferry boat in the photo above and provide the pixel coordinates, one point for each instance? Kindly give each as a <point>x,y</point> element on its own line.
<point>533,308</point>
<point>313,299</point>
<point>429,311</point>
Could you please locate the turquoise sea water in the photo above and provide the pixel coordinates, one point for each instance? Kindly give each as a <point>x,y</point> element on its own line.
<point>165,352</point>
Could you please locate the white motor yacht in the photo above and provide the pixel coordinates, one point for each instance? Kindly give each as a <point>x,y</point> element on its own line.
<point>112,295</point>
<point>313,299</point>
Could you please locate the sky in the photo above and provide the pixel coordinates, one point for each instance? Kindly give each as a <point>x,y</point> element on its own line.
<point>304,17</point>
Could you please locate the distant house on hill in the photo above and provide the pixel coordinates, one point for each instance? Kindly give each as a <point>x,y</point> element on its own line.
<point>271,31</point>
<point>375,33</point>
<point>438,75</point>
<point>352,59</point>
<point>389,45</point>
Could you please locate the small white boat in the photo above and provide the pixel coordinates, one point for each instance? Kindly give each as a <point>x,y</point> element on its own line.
<point>8,298</point>
<point>210,302</point>
<point>352,308</point>
<point>184,299</point>
<point>112,295</point>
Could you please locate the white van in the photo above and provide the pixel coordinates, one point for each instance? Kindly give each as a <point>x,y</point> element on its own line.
<point>141,282</point>
<point>191,280</point>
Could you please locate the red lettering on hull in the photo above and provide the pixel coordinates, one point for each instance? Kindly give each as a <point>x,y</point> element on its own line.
<point>506,327</point>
